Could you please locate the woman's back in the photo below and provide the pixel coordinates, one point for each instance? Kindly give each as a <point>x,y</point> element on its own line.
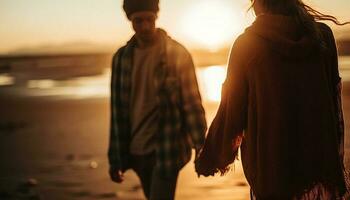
<point>291,136</point>
<point>281,103</point>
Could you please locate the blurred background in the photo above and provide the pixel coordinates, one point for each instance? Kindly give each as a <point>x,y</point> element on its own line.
<point>55,59</point>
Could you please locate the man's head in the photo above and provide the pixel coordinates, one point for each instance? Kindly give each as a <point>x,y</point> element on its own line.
<point>133,6</point>
<point>142,14</point>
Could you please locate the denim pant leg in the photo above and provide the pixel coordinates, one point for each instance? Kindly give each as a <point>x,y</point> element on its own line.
<point>143,166</point>
<point>155,186</point>
<point>163,188</point>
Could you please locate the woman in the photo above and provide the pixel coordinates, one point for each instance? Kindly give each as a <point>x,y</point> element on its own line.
<point>281,105</point>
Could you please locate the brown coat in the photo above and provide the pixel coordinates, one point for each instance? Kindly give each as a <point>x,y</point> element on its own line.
<point>279,97</point>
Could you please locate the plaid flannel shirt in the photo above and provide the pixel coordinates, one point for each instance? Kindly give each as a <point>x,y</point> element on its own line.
<point>181,123</point>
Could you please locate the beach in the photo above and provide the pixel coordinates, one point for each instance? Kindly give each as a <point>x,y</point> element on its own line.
<point>55,148</point>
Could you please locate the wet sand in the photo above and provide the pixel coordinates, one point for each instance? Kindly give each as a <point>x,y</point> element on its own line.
<point>55,148</point>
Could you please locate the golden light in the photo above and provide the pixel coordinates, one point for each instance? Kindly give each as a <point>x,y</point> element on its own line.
<point>212,24</point>
<point>6,79</point>
<point>211,79</point>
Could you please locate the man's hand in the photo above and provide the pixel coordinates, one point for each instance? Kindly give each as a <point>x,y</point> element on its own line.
<point>116,175</point>
<point>197,154</point>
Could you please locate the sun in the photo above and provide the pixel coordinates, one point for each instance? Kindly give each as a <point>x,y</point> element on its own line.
<point>212,24</point>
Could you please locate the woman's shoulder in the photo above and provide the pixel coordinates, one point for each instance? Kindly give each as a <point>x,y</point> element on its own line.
<point>326,31</point>
<point>247,46</point>
<point>245,39</point>
<point>324,28</point>
<point>327,36</point>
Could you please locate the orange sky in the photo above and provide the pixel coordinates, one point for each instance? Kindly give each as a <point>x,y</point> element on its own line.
<point>197,23</point>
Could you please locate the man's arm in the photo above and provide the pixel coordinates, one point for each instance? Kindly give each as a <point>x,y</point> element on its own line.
<point>114,147</point>
<point>194,113</point>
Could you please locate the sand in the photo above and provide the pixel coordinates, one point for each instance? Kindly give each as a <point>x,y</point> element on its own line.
<point>55,149</point>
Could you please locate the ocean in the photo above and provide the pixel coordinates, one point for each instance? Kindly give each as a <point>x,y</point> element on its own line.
<point>210,79</point>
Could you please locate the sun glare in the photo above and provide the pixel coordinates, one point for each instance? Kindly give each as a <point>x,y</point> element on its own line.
<point>211,81</point>
<point>212,24</point>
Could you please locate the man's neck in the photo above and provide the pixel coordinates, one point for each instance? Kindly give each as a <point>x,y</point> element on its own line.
<point>142,44</point>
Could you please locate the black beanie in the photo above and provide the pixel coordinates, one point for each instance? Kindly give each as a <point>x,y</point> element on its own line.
<point>132,6</point>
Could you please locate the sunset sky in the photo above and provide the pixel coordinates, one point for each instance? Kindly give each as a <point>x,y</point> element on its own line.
<point>207,24</point>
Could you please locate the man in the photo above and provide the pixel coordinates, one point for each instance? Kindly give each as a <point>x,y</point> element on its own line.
<point>156,109</point>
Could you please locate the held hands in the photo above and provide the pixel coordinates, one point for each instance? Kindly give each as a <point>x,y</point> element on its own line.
<point>197,154</point>
<point>200,168</point>
<point>207,165</point>
<point>197,162</point>
<point>116,175</point>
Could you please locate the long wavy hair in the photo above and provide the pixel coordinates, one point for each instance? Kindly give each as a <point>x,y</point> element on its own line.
<point>304,15</point>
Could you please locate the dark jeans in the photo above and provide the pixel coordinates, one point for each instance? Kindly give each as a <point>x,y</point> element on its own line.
<point>154,185</point>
